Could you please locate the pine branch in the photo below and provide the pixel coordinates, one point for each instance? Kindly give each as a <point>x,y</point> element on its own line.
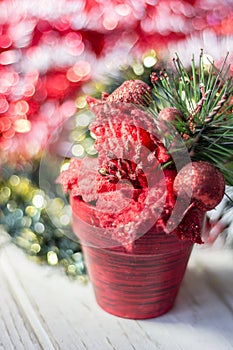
<point>205,100</point>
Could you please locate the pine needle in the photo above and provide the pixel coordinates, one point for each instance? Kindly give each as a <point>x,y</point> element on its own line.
<point>204,97</point>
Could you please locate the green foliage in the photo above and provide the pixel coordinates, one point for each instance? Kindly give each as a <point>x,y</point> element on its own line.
<point>203,95</point>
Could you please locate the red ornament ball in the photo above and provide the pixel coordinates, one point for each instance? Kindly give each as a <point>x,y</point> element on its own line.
<point>170,114</point>
<point>131,91</point>
<point>203,182</point>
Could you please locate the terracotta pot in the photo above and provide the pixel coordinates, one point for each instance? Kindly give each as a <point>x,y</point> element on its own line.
<point>138,284</point>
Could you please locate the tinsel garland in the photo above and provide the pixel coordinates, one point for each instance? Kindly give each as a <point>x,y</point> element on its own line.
<point>48,52</point>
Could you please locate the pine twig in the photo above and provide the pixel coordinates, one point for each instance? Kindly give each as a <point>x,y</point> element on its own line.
<point>204,100</point>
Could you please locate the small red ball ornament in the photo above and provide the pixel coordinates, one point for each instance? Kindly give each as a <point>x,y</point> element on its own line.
<point>170,114</point>
<point>131,91</point>
<point>203,182</point>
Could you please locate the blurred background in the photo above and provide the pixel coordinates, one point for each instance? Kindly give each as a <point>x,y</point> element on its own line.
<point>54,53</point>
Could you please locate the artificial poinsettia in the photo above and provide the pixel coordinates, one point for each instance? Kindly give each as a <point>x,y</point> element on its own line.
<point>136,130</point>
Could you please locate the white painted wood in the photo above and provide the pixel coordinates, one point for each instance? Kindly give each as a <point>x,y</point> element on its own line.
<point>40,308</point>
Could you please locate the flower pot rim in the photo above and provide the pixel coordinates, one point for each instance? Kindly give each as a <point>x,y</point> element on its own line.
<point>77,203</point>
<point>142,255</point>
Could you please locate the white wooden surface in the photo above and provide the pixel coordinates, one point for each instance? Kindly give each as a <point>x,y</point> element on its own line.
<point>40,308</point>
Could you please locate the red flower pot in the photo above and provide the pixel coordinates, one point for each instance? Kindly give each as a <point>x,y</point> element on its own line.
<point>138,284</point>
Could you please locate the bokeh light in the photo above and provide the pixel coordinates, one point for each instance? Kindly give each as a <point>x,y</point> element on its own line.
<point>52,54</point>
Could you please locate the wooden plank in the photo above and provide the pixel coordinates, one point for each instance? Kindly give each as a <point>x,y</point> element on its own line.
<point>15,331</point>
<point>53,312</point>
<point>20,318</point>
<point>68,311</point>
